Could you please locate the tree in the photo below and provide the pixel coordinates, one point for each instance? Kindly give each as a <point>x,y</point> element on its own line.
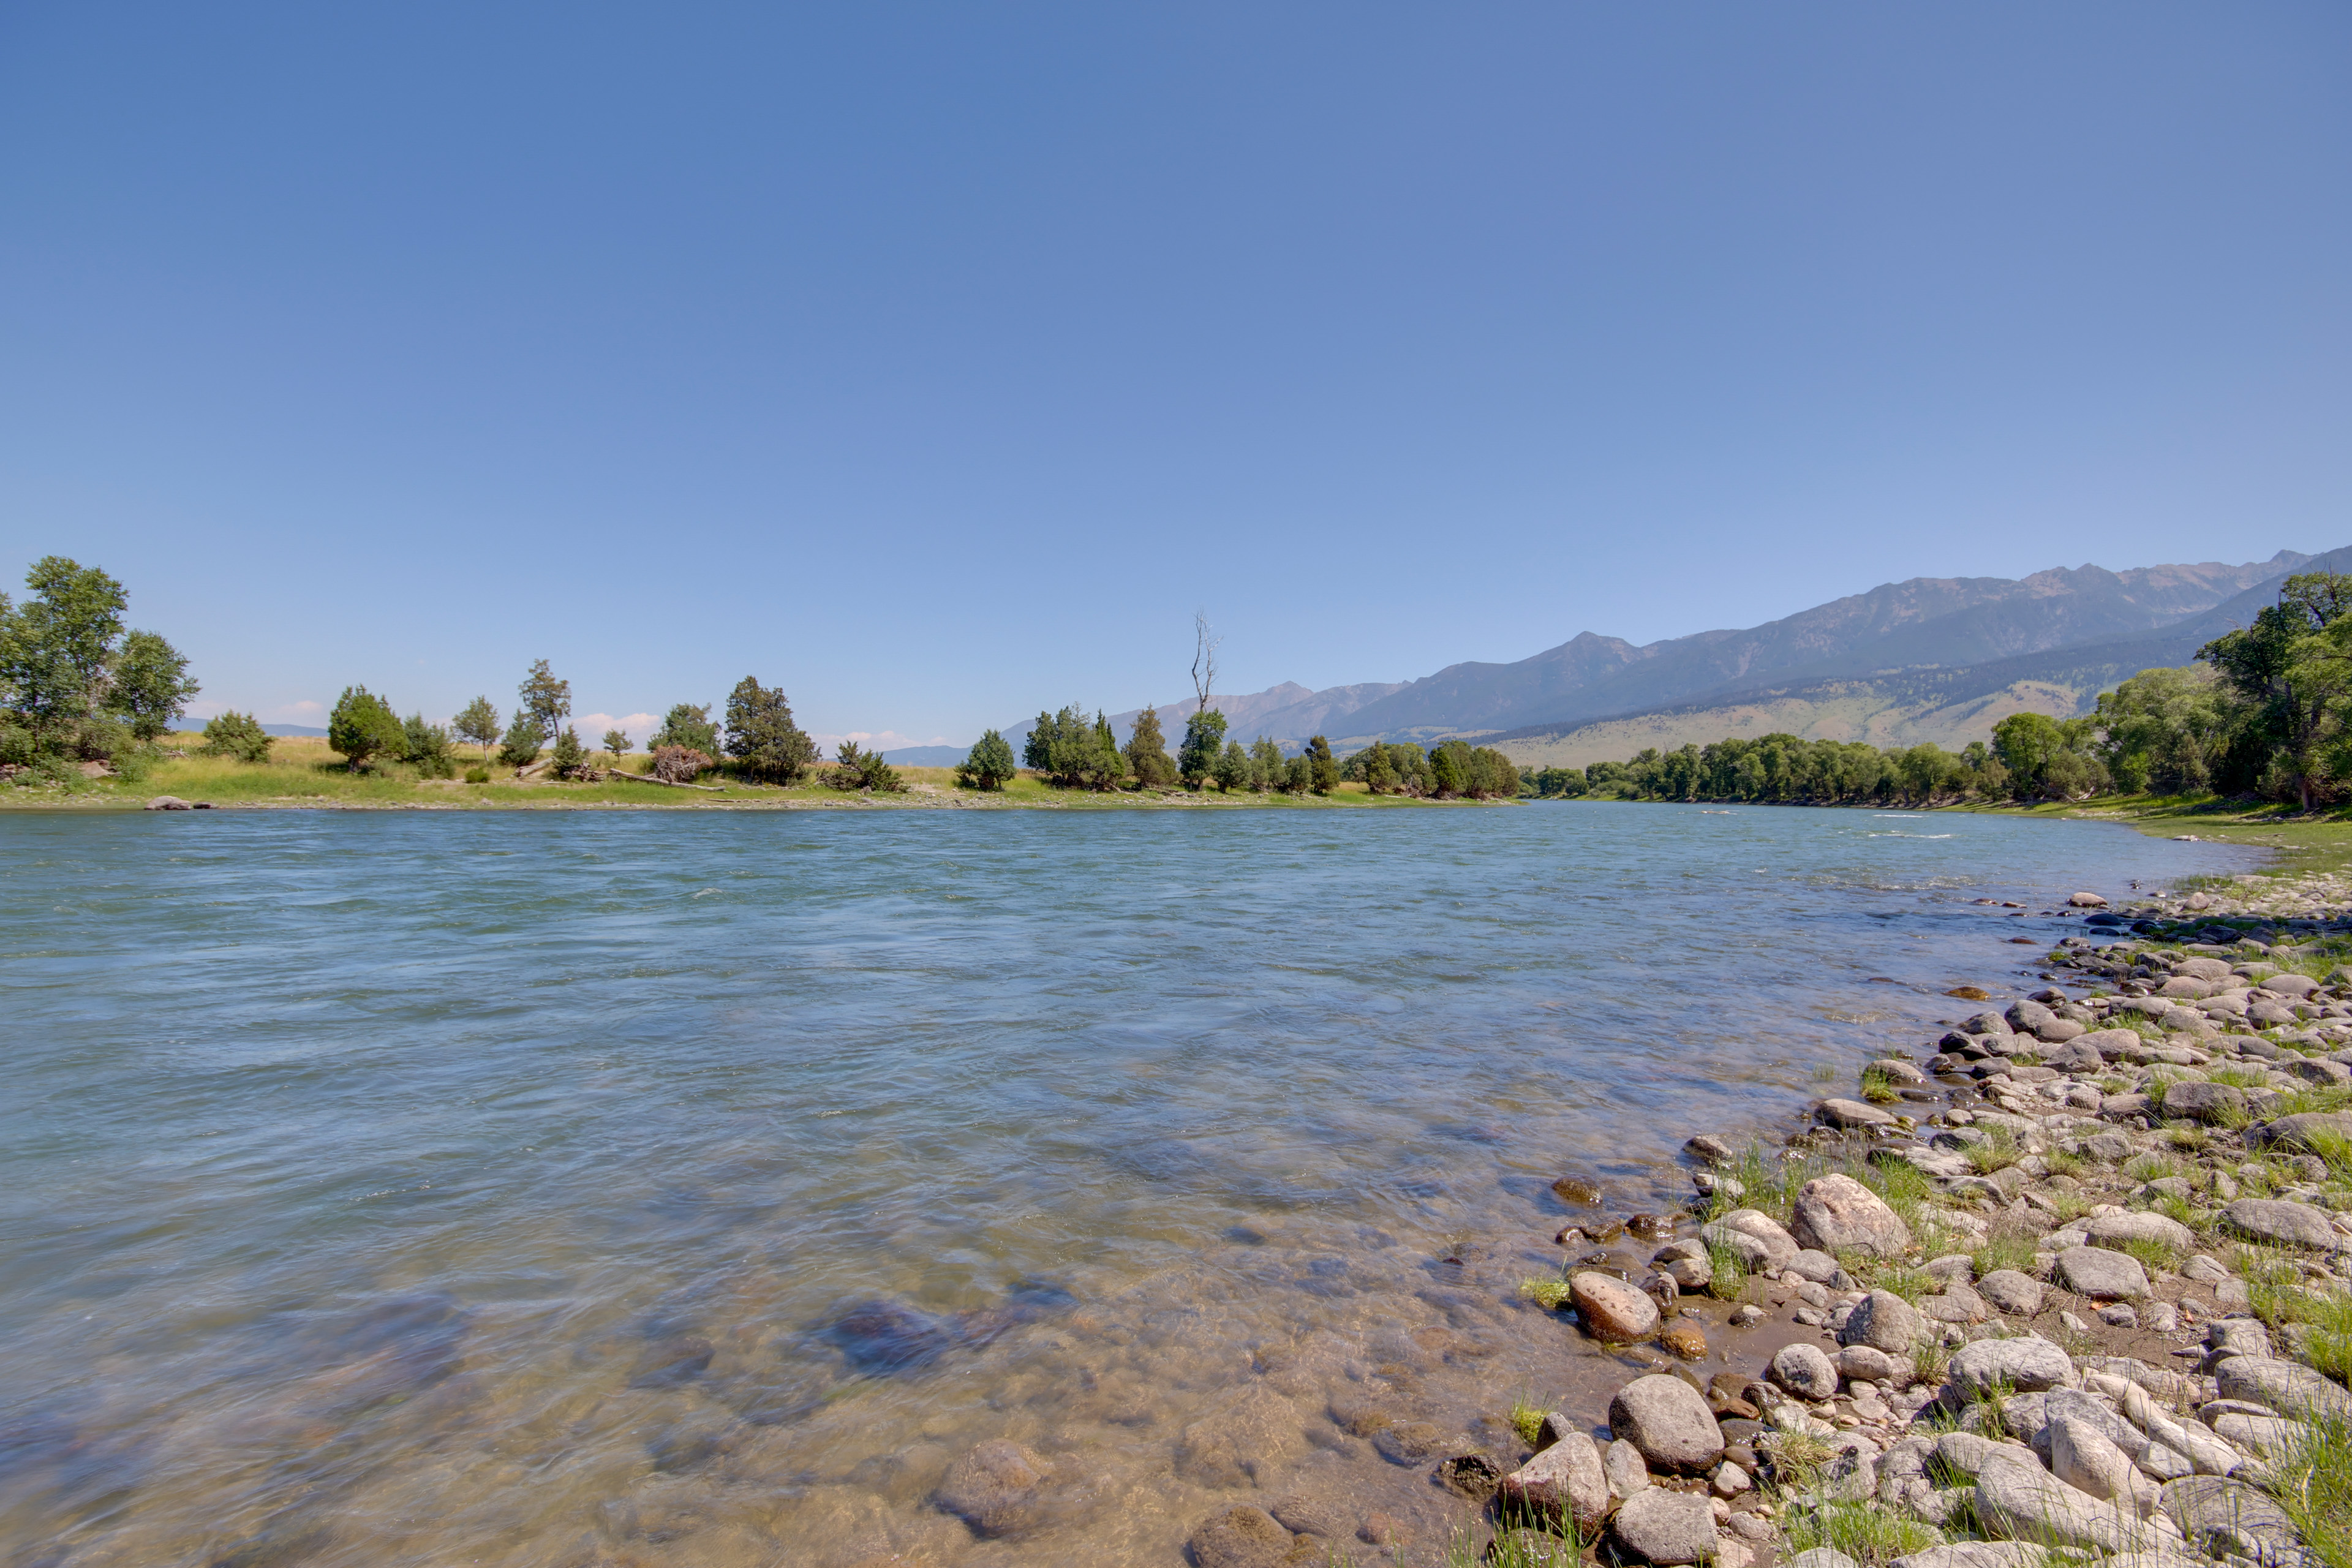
<point>617,744</point>
<point>363,727</point>
<point>1321,767</point>
<point>1372,765</point>
<point>862,770</point>
<point>547,701</point>
<point>2161,731</point>
<point>2289,672</point>
<point>55,648</point>
<point>762,736</point>
<point>148,684</point>
<point>1073,751</point>
<point>1204,739</point>
<point>1446,771</point>
<point>1298,775</point>
<point>426,746</point>
<point>239,735</point>
<point>523,738</point>
<point>1233,769</point>
<point>1147,752</point>
<point>571,758</point>
<point>988,765</point>
<point>1204,662</point>
<point>478,721</point>
<point>687,726</point>
<point>1266,764</point>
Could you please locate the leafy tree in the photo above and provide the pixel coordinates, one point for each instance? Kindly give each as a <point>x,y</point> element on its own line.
<point>1233,769</point>
<point>2046,757</point>
<point>762,736</point>
<point>617,744</point>
<point>426,746</point>
<point>1373,769</point>
<point>864,770</point>
<point>478,721</point>
<point>1559,783</point>
<point>55,646</point>
<point>1446,771</point>
<point>1204,739</point>
<point>2161,731</point>
<point>687,726</point>
<point>1298,775</point>
<point>1266,764</point>
<point>1073,751</point>
<point>363,727</point>
<point>2290,672</point>
<point>148,684</point>
<point>988,765</point>
<point>545,699</point>
<point>1147,752</point>
<point>1321,766</point>
<point>571,758</point>
<point>239,735</point>
<point>523,738</point>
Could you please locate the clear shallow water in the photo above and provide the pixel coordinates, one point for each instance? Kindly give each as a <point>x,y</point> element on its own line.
<point>391,1188</point>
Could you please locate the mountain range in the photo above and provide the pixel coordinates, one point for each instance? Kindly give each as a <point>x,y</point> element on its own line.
<point>1939,658</point>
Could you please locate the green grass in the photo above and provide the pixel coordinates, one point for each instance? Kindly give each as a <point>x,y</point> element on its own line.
<point>2065,1162</point>
<point>1550,1294</point>
<point>2154,1256</point>
<point>1878,1085</point>
<point>2150,1167</point>
<point>1727,1276</point>
<point>2003,1249</point>
<point>1997,1152</point>
<point>1911,1284</point>
<point>1931,1356</point>
<point>2238,1077</point>
<point>1526,1420</point>
<point>1871,1534</point>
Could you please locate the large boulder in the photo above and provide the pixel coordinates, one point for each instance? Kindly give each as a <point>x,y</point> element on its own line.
<point>2018,1294</point>
<point>1837,1211</point>
<point>2281,1223</point>
<point>2296,1131</point>
<point>1975,1554</point>
<point>2224,1518</point>
<point>2203,1101</point>
<point>2112,1230</point>
<point>2086,1458</point>
<point>1669,1422</point>
<point>2286,1386</point>
<point>1243,1537</point>
<point>2101,1275</point>
<point>998,1489</point>
<point>1563,1481</point>
<point>1884,1322</point>
<point>1663,1527</point>
<point>2027,1365</point>
<point>1611,1309</point>
<point>1755,1237</point>
<point>2020,1500</point>
<point>1851,1113</point>
<point>1805,1370</point>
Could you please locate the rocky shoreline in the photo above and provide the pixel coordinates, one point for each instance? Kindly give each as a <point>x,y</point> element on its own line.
<point>2071,1282</point>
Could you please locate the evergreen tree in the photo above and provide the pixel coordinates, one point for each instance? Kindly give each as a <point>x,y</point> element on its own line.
<point>239,735</point>
<point>523,738</point>
<point>1372,766</point>
<point>478,721</point>
<point>1321,768</point>
<point>1264,764</point>
<point>427,747</point>
<point>571,758</point>
<point>1446,771</point>
<point>862,770</point>
<point>1233,769</point>
<point>988,765</point>
<point>1205,738</point>
<point>363,727</point>
<point>546,699</point>
<point>1298,775</point>
<point>762,736</point>
<point>1147,752</point>
<point>1073,751</point>
<point>688,727</point>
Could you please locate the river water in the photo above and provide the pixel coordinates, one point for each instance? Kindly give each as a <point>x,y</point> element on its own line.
<point>610,1189</point>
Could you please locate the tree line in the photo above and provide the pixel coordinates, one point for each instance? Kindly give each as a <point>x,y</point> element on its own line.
<point>2264,714</point>
<point>78,686</point>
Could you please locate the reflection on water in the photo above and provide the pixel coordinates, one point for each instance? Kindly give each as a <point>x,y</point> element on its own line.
<point>684,1189</point>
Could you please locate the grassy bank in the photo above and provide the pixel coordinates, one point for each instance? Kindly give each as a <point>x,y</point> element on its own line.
<point>303,773</point>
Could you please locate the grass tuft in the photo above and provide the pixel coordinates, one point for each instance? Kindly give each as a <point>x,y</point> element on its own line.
<point>1869,1533</point>
<point>1550,1294</point>
<point>1526,1420</point>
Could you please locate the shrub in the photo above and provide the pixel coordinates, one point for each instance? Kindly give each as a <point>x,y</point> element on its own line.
<point>1074,751</point>
<point>520,748</point>
<point>862,770</point>
<point>239,735</point>
<point>761,737</point>
<point>618,742</point>
<point>988,765</point>
<point>17,745</point>
<point>570,759</point>
<point>1233,769</point>
<point>478,775</point>
<point>426,746</point>
<point>1298,775</point>
<point>687,726</point>
<point>679,764</point>
<point>363,727</point>
<point>1266,764</point>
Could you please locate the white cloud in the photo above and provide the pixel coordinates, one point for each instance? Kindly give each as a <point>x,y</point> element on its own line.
<point>639,727</point>
<point>304,712</point>
<point>874,739</point>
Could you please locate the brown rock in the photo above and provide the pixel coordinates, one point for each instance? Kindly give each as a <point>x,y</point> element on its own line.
<point>1611,1309</point>
<point>1242,1537</point>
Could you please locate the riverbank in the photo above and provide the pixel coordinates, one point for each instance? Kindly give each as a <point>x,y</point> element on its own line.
<point>302,773</point>
<point>2080,1282</point>
<point>2298,843</point>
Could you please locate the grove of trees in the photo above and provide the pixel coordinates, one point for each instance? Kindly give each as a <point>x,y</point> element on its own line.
<point>75,685</point>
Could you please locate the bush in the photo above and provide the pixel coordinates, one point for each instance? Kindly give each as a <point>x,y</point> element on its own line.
<point>1147,752</point>
<point>427,747</point>
<point>862,770</point>
<point>988,765</point>
<point>570,759</point>
<point>1298,775</point>
<point>16,746</point>
<point>520,748</point>
<point>478,775</point>
<point>362,728</point>
<point>679,764</point>
<point>689,727</point>
<point>239,735</point>
<point>1233,769</point>
<point>1074,751</point>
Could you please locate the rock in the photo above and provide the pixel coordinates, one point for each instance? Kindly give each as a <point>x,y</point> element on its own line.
<point>1817,1266</point>
<point>168,803</point>
<point>1474,1476</point>
<point>1884,1322</point>
<point>1409,1443</point>
<point>1611,1309</point>
<point>2225,1518</point>
<point>2317,1070</point>
<point>1868,1363</point>
<point>1627,1471</point>
<point>2203,1101</point>
<point>1669,1422</point>
<point>1246,1443</point>
<point>1565,1480</point>
<point>2285,1386</point>
<point>2026,1365</point>
<point>1243,1537</point>
<point>997,1490</point>
<point>1684,1339</point>
<point>2227,1337</point>
<point>2257,1433</point>
<point>1665,1527</point>
<point>1576,1190</point>
<point>2021,1500</point>
<point>1308,1516</point>
<point>2296,1131</point>
<point>2119,1315</point>
<point>2101,1275</point>
<point>1975,1554</point>
<point>2087,902</point>
<point>1850,1114</point>
<point>1822,1557</point>
<point>2082,1456</point>
<point>2074,1056</point>
<point>1957,1304</point>
<point>1729,1481</point>
<point>2281,1223</point>
<point>1755,1237</point>
<point>2027,1017</point>
<point>1709,1148</point>
<point>1804,1371</point>
<point>2111,1044</point>
<point>2112,1230</point>
<point>1835,1211</point>
<point>2019,1295</point>
<point>1966,1453</point>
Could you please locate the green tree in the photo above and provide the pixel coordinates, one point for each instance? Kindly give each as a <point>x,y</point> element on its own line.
<point>239,735</point>
<point>989,765</point>
<point>864,770</point>
<point>571,758</point>
<point>1147,752</point>
<point>688,726</point>
<point>478,721</point>
<point>524,740</point>
<point>1266,764</point>
<point>1372,766</point>
<point>1073,751</point>
<point>362,728</point>
<point>545,699</point>
<point>1298,775</point>
<point>617,744</point>
<point>1233,769</point>
<point>761,737</point>
<point>148,684</point>
<point>55,648</point>
<point>2289,672</point>
<point>427,747</point>
<point>2160,730</point>
<point>1204,740</point>
<point>1446,771</point>
<point>1321,767</point>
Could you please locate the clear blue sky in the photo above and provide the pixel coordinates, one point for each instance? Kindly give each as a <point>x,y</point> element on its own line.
<point>935,362</point>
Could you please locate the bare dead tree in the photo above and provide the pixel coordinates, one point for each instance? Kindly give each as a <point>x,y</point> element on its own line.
<point>1205,660</point>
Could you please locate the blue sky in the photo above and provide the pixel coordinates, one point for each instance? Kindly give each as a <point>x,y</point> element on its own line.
<point>936,361</point>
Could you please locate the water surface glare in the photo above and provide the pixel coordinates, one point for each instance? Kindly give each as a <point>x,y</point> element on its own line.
<point>615,1188</point>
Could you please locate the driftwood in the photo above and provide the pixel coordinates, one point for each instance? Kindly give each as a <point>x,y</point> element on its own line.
<point>617,776</point>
